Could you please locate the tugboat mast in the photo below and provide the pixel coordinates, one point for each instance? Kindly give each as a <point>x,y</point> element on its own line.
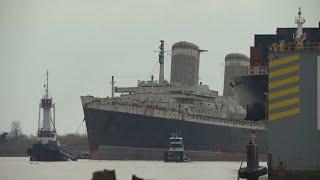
<point>46,126</point>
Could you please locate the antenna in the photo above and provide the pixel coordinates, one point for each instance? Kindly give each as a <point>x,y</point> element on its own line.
<point>47,90</point>
<point>112,86</point>
<point>161,61</point>
<point>299,36</point>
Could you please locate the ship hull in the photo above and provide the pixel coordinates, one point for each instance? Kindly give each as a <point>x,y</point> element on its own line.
<point>136,133</point>
<point>251,91</point>
<point>48,152</point>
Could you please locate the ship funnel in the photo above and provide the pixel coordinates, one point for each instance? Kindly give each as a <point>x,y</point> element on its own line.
<point>236,64</point>
<point>185,63</point>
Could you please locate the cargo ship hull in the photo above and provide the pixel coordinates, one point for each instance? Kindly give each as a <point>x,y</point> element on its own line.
<point>132,136</point>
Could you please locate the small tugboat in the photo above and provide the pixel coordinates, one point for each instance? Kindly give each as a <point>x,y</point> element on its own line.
<point>175,152</point>
<point>47,148</point>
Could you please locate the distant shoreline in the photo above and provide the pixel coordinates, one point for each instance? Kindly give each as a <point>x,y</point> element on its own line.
<point>17,146</point>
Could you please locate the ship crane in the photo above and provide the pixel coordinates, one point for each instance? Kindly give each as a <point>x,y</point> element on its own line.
<point>46,124</point>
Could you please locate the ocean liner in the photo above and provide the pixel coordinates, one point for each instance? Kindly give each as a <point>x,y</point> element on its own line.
<point>251,85</point>
<point>137,123</point>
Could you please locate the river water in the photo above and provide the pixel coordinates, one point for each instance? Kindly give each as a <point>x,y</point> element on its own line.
<point>20,168</point>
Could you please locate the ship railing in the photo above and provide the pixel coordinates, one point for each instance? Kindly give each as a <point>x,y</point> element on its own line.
<point>230,121</point>
<point>282,46</point>
<point>155,105</point>
<point>167,106</point>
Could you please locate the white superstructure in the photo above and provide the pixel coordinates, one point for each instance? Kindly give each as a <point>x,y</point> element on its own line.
<point>46,124</point>
<point>299,36</point>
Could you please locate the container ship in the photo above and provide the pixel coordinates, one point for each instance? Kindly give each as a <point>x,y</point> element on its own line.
<point>282,85</point>
<point>137,123</point>
<point>293,98</point>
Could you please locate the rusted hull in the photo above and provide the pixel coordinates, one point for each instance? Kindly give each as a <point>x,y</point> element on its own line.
<point>131,133</point>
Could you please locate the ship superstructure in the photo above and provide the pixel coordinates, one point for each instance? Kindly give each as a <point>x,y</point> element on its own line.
<point>153,109</point>
<point>46,125</point>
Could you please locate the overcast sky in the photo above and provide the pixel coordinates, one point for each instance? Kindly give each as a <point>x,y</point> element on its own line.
<point>84,43</point>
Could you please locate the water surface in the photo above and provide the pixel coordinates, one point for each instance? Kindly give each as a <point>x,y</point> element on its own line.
<point>20,168</point>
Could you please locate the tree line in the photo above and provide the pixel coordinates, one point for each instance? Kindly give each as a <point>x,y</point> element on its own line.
<point>15,143</point>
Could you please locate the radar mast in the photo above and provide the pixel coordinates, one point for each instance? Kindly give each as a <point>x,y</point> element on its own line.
<point>299,36</point>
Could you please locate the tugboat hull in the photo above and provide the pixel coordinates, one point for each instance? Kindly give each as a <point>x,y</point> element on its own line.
<point>48,152</point>
<point>174,156</point>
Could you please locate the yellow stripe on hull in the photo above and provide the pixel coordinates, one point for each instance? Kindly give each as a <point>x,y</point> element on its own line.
<point>284,71</point>
<point>284,103</point>
<point>284,114</point>
<point>284,82</point>
<point>284,60</point>
<point>282,93</point>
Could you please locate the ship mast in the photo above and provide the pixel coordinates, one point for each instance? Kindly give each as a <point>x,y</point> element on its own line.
<point>161,61</point>
<point>46,125</point>
<point>47,88</point>
<point>112,86</point>
<point>299,35</point>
